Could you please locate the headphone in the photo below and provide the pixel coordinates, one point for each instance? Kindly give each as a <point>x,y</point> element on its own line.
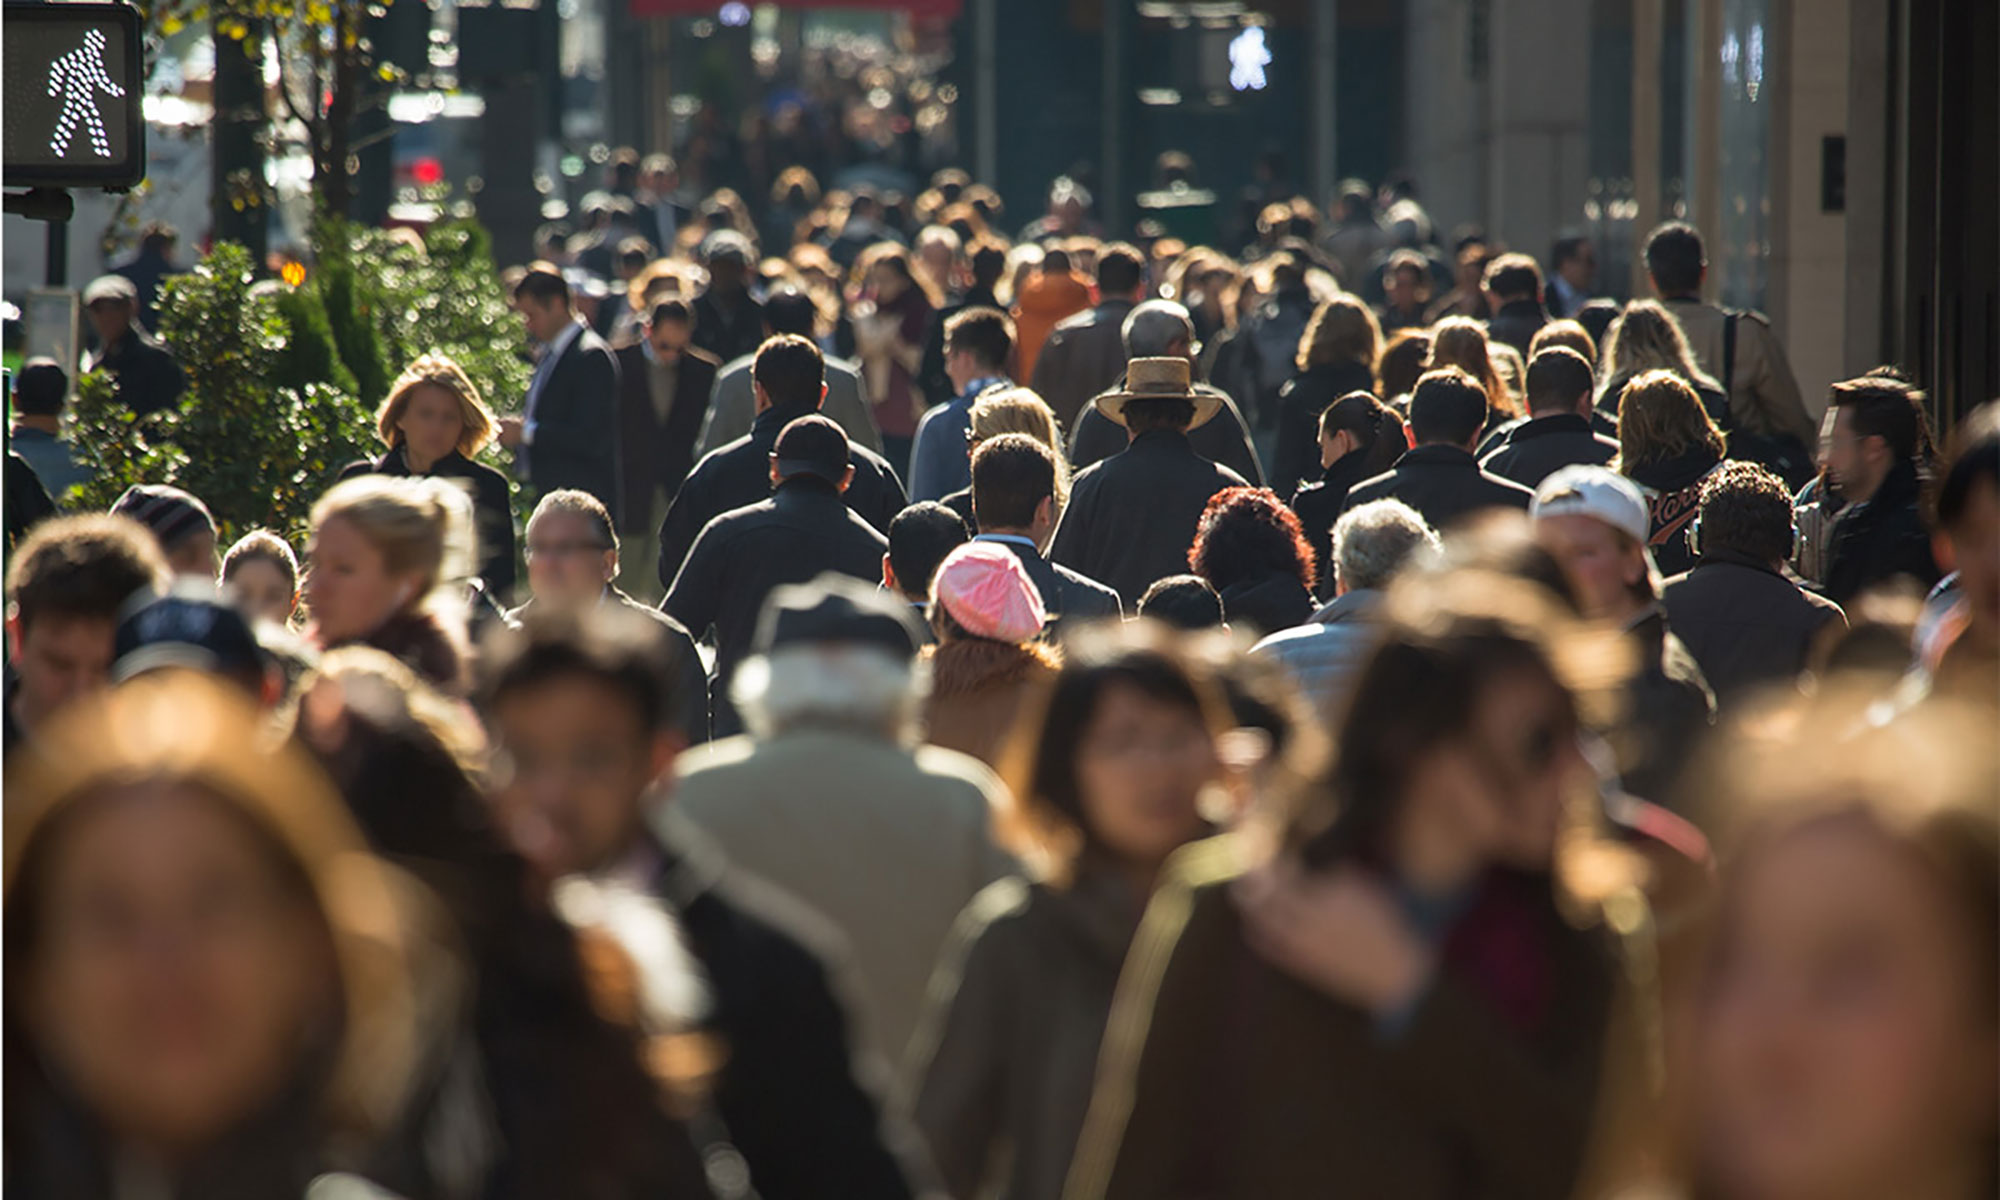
<point>1791,534</point>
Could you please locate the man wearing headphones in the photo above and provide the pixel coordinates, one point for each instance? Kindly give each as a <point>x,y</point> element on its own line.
<point>1743,617</point>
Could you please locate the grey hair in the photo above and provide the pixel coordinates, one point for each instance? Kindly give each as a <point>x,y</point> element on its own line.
<point>1153,326</point>
<point>1374,541</point>
<point>832,685</point>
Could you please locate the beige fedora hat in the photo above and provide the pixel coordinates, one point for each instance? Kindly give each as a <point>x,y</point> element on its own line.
<point>1158,379</point>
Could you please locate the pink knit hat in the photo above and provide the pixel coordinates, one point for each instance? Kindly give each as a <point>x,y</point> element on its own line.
<point>986,590</point>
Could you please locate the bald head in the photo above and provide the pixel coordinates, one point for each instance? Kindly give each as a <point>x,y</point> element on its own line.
<point>1158,329</point>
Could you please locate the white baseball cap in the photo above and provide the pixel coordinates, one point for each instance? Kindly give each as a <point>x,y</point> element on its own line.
<point>1594,492</point>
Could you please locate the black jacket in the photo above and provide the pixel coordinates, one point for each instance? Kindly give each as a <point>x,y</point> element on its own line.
<point>1668,710</point>
<point>655,454</point>
<point>728,329</point>
<point>800,531</point>
<point>1443,483</point>
<point>1132,517</point>
<point>1267,603</point>
<point>576,424</point>
<point>740,473</point>
<point>148,377</point>
<point>1673,493</point>
<point>1319,505</point>
<point>1065,594</point>
<point>1516,322</point>
<point>492,508</point>
<point>786,1090</point>
<point>1880,539</point>
<point>1300,402</point>
<point>1746,624</point>
<point>690,677</point>
<point>1223,438</point>
<point>1538,448</point>
<point>1084,354</point>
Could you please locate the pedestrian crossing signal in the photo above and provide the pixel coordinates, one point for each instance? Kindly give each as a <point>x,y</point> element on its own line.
<point>74,86</point>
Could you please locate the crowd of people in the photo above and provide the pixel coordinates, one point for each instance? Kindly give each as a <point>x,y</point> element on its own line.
<point>1035,716</point>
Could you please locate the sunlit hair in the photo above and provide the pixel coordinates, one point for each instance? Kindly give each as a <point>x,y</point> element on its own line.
<point>1461,342</point>
<point>1402,363</point>
<point>261,545</point>
<point>1513,371</point>
<point>1660,417</point>
<point>1245,532</point>
<point>438,371</point>
<point>840,686</point>
<point>1646,337</point>
<point>898,260</point>
<point>1022,410</point>
<point>420,527</point>
<point>1341,330</point>
<point>1044,822</point>
<point>1565,332</point>
<point>184,729</point>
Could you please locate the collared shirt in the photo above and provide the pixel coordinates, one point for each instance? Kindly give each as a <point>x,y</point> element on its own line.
<point>557,347</point>
<point>663,379</point>
<point>939,464</point>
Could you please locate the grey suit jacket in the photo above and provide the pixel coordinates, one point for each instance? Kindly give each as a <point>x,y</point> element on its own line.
<point>734,406</point>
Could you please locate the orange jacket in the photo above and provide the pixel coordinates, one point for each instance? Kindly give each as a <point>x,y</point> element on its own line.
<point>1044,300</point>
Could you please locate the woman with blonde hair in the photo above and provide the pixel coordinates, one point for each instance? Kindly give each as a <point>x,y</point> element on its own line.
<point>385,555</point>
<point>434,424</point>
<point>212,987</point>
<point>1461,342</point>
<point>1645,337</point>
<point>1012,410</point>
<point>1668,445</point>
<point>1336,355</point>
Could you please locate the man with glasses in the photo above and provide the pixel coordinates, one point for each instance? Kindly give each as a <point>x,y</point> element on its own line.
<point>572,559</point>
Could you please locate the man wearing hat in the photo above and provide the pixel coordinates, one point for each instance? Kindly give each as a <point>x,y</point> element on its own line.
<point>803,529</point>
<point>148,378</point>
<point>1595,524</point>
<point>1132,517</point>
<point>179,520</point>
<point>832,799</point>
<point>1165,329</point>
<point>728,321</point>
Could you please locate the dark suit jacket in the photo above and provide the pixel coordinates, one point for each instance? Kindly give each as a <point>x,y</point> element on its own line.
<point>1132,517</point>
<point>1746,624</point>
<point>147,376</point>
<point>690,677</point>
<point>1065,594</point>
<point>576,424</point>
<point>1443,483</point>
<point>492,510</point>
<point>1536,449</point>
<point>740,474</point>
<point>802,530</point>
<point>653,453</point>
<point>1083,355</point>
<point>1224,438</point>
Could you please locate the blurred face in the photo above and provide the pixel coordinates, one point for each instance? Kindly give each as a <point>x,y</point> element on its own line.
<point>544,319</point>
<point>194,555</point>
<point>1858,464</point>
<point>262,591</point>
<point>59,659</point>
<point>1602,566</point>
<point>573,767</point>
<point>1404,288</point>
<point>1140,771</point>
<point>1335,446</point>
<point>1580,269</point>
<point>887,282</point>
<point>349,587</point>
<point>1973,547</point>
<point>110,318</point>
<point>567,564</point>
<point>178,977</point>
<point>431,423</point>
<point>1840,1050</point>
<point>669,339</point>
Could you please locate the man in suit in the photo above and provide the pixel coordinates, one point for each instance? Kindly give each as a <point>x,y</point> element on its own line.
<point>1086,353</point>
<point>661,215</point>
<point>567,435</point>
<point>789,384</point>
<point>734,405</point>
<point>1164,329</point>
<point>1557,432</point>
<point>663,388</point>
<point>1014,498</point>
<point>1440,478</point>
<point>801,530</point>
<point>728,320</point>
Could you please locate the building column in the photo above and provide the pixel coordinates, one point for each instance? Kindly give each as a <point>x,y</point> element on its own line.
<point>1648,35</point>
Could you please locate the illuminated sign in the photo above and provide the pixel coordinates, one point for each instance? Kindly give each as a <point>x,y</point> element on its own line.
<point>1248,56</point>
<point>74,84</point>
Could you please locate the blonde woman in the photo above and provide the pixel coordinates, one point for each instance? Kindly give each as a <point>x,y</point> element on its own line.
<point>1645,337</point>
<point>385,554</point>
<point>1461,342</point>
<point>434,423</point>
<point>1337,355</point>
<point>1011,410</point>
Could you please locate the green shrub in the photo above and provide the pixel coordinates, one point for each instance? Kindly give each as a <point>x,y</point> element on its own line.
<point>309,355</point>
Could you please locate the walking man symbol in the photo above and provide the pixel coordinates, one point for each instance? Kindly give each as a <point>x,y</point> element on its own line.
<point>78,76</point>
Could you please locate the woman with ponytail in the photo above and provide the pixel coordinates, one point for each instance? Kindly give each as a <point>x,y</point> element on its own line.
<point>1359,438</point>
<point>385,554</point>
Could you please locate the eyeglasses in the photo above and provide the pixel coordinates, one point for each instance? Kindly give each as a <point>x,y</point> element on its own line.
<point>563,549</point>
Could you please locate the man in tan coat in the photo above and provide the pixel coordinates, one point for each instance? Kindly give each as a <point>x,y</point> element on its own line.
<point>1763,394</point>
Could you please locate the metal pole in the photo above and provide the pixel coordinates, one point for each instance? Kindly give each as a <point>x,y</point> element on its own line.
<point>1111,173</point>
<point>56,272</point>
<point>1326,162</point>
<point>1648,22</point>
<point>986,92</point>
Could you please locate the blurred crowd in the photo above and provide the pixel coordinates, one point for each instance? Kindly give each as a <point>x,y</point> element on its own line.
<point>1034,714</point>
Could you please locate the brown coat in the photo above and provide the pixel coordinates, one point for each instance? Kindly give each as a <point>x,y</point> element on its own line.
<point>977,687</point>
<point>1763,393</point>
<point>1222,1077</point>
<point>1083,355</point>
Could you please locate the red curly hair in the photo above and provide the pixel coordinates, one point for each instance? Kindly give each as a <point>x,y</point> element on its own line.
<point>1246,532</point>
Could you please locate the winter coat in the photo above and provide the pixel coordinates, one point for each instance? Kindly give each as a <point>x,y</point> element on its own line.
<point>1763,393</point>
<point>1223,438</point>
<point>1882,538</point>
<point>1044,301</point>
<point>1066,595</point>
<point>1673,495</point>
<point>887,842</point>
<point>492,508</point>
<point>732,409</point>
<point>1539,447</point>
<point>1266,603</point>
<point>1132,517</point>
<point>977,689</point>
<point>1318,505</point>
<point>1324,655</point>
<point>1082,356</point>
<point>1746,624</point>
<point>1300,402</point>
<point>1668,710</point>
<point>690,676</point>
<point>1443,483</point>
<point>1002,1070</point>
